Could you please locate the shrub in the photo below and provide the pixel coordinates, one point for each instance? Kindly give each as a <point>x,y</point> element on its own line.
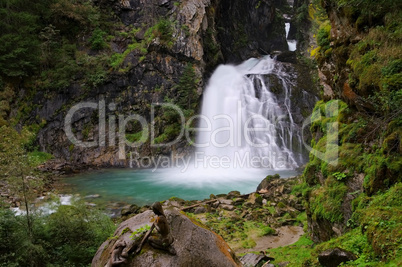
<point>97,39</point>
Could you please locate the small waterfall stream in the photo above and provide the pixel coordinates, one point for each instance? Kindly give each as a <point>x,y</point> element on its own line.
<point>244,120</point>
<point>292,44</point>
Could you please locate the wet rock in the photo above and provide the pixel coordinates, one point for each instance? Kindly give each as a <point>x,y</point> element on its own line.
<point>287,56</point>
<point>194,245</point>
<point>130,209</point>
<point>334,257</point>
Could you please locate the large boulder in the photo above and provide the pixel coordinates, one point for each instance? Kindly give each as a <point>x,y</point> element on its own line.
<point>334,257</point>
<point>194,244</point>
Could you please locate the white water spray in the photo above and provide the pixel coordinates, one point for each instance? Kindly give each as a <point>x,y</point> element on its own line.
<point>243,120</point>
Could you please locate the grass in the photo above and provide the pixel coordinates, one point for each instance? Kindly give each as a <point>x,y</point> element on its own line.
<point>36,157</point>
<point>295,254</point>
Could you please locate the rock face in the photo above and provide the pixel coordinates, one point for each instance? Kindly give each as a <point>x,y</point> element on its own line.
<point>194,244</point>
<point>249,28</point>
<point>334,257</point>
<point>204,34</point>
<point>148,78</point>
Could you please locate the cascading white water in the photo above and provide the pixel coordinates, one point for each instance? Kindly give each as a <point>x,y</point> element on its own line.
<point>292,44</point>
<point>243,120</point>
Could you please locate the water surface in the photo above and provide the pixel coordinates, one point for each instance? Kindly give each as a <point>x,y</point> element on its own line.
<point>146,186</point>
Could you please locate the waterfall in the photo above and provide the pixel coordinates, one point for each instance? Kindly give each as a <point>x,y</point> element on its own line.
<point>244,121</point>
<point>291,43</point>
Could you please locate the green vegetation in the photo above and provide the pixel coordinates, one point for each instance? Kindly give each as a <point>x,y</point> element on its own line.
<point>68,237</point>
<point>296,254</point>
<point>98,39</point>
<point>163,30</point>
<point>185,99</point>
<point>140,231</point>
<point>38,157</point>
<point>368,146</point>
<point>375,235</point>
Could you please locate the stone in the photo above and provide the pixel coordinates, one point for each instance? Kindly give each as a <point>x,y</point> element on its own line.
<point>238,201</point>
<point>255,199</point>
<point>215,204</point>
<point>233,194</point>
<point>92,196</point>
<point>194,245</point>
<point>129,209</point>
<point>226,201</point>
<point>266,183</point>
<point>248,204</point>
<point>200,210</point>
<point>228,207</point>
<point>287,56</point>
<point>334,257</point>
<point>252,260</point>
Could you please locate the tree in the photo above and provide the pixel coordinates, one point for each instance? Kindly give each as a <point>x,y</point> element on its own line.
<point>187,88</point>
<point>17,170</point>
<point>19,43</point>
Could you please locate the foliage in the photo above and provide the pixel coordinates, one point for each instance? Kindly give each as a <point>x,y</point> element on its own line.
<point>339,175</point>
<point>140,231</point>
<point>16,169</point>
<point>37,157</point>
<point>97,39</point>
<point>187,88</point>
<point>68,237</point>
<point>6,97</point>
<point>32,30</point>
<point>18,38</point>
<point>186,99</point>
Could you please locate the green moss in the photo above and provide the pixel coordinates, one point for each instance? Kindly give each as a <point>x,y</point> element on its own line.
<point>326,201</point>
<point>266,230</point>
<point>281,205</point>
<point>248,243</point>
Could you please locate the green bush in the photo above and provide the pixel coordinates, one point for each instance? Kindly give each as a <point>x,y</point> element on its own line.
<point>68,237</point>
<point>97,39</point>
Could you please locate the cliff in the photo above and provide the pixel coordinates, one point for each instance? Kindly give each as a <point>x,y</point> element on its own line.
<point>107,75</point>
<point>356,146</point>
